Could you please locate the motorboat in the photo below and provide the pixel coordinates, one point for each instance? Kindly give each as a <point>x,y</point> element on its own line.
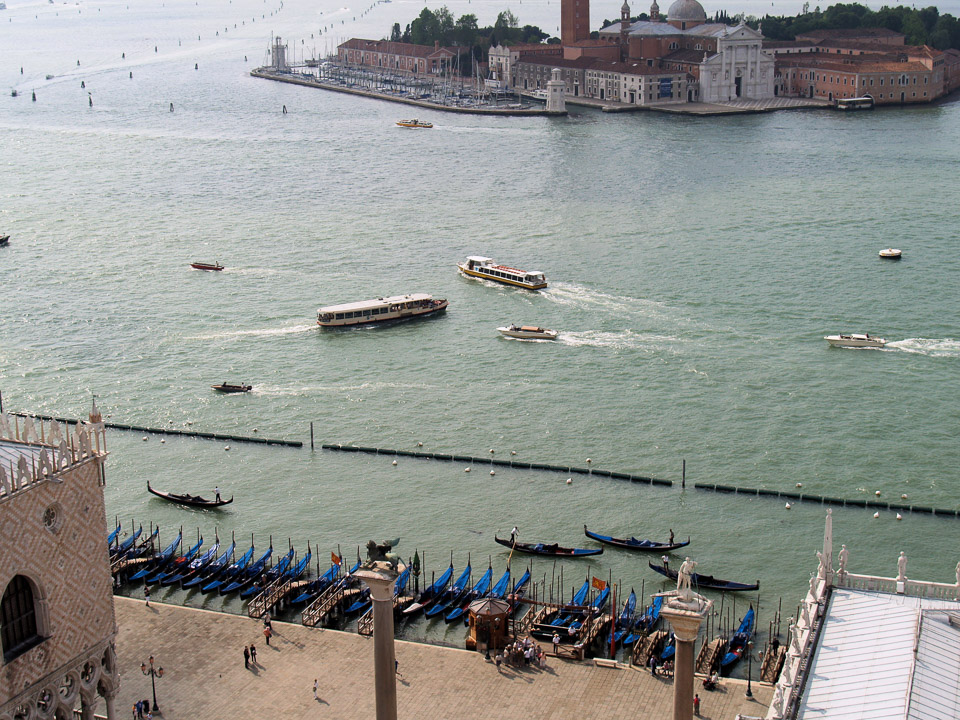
<point>855,340</point>
<point>4,240</point>
<point>414,123</point>
<point>382,309</point>
<point>216,267</point>
<point>891,253</point>
<point>528,332</point>
<point>230,388</point>
<point>486,268</point>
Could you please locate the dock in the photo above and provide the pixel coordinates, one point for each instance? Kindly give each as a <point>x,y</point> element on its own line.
<point>204,676</point>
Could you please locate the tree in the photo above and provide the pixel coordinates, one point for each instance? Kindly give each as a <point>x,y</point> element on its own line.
<point>396,35</point>
<point>505,20</point>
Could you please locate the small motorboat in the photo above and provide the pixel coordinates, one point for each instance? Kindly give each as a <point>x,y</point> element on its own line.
<point>186,499</point>
<point>216,267</point>
<point>528,332</point>
<point>891,253</point>
<point>855,340</point>
<point>4,240</point>
<point>230,388</point>
<point>414,123</point>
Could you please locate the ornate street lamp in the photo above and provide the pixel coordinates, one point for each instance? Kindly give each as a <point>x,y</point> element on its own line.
<point>154,673</point>
<point>749,693</point>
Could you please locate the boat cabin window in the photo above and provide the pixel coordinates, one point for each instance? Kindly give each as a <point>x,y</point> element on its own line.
<point>339,316</point>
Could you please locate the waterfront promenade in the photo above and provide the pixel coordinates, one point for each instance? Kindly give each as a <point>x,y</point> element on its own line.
<point>201,653</point>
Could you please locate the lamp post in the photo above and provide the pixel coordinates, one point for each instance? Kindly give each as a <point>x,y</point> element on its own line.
<point>749,692</point>
<point>154,673</point>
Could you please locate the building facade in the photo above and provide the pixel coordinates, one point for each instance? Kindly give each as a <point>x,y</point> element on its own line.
<point>396,56</point>
<point>56,612</point>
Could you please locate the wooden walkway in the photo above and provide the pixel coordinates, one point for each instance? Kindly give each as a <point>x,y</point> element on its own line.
<point>202,656</point>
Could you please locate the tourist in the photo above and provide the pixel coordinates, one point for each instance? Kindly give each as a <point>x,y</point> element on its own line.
<point>253,653</point>
<point>526,655</point>
<point>696,705</point>
<point>137,711</point>
<point>316,685</point>
<point>541,658</point>
<point>556,643</point>
<point>246,657</point>
<point>396,667</point>
<point>498,660</point>
<point>653,665</point>
<point>149,715</point>
<point>267,633</point>
<point>146,594</point>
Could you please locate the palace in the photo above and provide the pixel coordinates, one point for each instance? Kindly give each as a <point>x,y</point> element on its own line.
<point>56,613</point>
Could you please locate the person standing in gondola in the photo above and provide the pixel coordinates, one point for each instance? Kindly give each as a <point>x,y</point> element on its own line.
<point>671,529</point>
<point>514,534</point>
<point>216,490</point>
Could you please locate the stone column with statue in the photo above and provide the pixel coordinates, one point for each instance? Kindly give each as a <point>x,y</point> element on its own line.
<point>380,573</point>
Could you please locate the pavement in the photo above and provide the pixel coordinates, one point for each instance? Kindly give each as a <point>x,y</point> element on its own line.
<point>201,653</point>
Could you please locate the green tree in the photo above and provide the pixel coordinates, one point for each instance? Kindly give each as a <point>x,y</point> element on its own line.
<point>425,28</point>
<point>395,34</point>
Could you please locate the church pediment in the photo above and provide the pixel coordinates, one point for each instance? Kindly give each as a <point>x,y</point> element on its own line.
<point>744,32</point>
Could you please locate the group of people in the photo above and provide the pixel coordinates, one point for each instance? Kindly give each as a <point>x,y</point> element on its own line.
<point>142,710</point>
<point>250,651</point>
<point>654,665</point>
<point>522,652</point>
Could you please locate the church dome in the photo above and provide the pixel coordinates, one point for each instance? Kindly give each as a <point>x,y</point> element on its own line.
<point>686,11</point>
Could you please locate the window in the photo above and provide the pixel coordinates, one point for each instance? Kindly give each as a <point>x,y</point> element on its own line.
<point>18,618</point>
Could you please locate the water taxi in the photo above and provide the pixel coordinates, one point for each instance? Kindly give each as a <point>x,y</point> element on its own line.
<point>891,253</point>
<point>528,332</point>
<point>215,267</point>
<point>858,103</point>
<point>855,340</point>
<point>484,267</point>
<point>382,309</point>
<point>226,387</point>
<point>414,123</point>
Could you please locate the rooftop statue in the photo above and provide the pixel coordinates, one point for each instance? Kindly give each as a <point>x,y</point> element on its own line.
<point>684,574</point>
<point>380,552</point>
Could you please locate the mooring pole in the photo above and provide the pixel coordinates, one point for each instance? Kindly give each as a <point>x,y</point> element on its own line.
<point>311,434</point>
<point>683,473</point>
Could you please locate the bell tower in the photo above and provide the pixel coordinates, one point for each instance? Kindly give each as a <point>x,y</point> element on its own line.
<point>574,21</point>
<point>654,12</point>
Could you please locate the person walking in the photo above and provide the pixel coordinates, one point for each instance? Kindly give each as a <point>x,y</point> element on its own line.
<point>146,594</point>
<point>246,657</point>
<point>253,653</point>
<point>653,665</point>
<point>396,667</point>
<point>498,660</point>
<point>267,633</point>
<point>696,705</point>
<point>316,686</point>
<point>136,709</point>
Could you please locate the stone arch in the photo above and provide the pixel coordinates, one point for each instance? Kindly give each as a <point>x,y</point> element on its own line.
<point>46,702</point>
<point>24,615</point>
<point>69,688</point>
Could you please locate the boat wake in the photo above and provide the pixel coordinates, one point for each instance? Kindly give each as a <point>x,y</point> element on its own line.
<point>264,332</point>
<point>618,339</point>
<point>277,390</point>
<point>932,347</point>
<point>579,296</point>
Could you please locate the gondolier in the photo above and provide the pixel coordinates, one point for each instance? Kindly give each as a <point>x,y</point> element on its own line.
<point>216,491</point>
<point>514,533</point>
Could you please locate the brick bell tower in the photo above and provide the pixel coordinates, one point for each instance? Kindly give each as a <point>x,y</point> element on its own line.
<point>624,31</point>
<point>574,21</point>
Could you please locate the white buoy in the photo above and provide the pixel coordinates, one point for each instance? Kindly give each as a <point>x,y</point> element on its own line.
<point>254,429</point>
<point>787,506</point>
<point>190,422</point>
<point>394,462</point>
<point>877,493</point>
<point>493,472</point>
<point>899,516</point>
<point>569,481</point>
<point>466,469</point>
<point>589,460</point>
<point>876,515</point>
<point>144,438</point>
<point>491,451</point>
<point>903,497</point>
<point>513,452</point>
<point>162,441</point>
<point>419,444</point>
<point>227,448</point>
<point>799,484</point>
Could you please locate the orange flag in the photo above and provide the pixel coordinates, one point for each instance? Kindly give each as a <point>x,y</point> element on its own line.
<point>599,584</point>
<point>335,559</point>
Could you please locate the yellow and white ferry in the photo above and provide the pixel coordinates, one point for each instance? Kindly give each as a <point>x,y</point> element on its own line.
<point>484,267</point>
<point>383,309</point>
<point>414,123</point>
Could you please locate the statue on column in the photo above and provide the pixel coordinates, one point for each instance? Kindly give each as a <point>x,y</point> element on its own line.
<point>684,575</point>
<point>844,554</point>
<point>902,567</point>
<point>958,573</point>
<point>377,552</point>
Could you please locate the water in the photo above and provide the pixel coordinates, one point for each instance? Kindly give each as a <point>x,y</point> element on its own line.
<point>695,265</point>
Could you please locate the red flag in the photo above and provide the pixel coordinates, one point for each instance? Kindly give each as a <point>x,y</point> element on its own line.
<point>335,559</point>
<point>599,584</point>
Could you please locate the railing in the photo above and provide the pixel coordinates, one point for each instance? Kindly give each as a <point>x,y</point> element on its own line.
<point>319,608</point>
<point>269,597</point>
<point>916,588</point>
<point>365,623</point>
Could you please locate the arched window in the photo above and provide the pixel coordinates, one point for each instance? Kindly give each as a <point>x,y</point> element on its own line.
<point>18,618</point>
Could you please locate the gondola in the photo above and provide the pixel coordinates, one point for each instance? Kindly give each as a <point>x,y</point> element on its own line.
<point>226,387</point>
<point>561,617</point>
<point>626,619</point>
<point>738,643</point>
<point>4,240</point>
<point>121,550</point>
<point>552,549</point>
<point>188,570</point>
<point>634,544</point>
<point>191,500</point>
<point>430,594</point>
<point>316,586</point>
<point>268,577</point>
<point>206,573</point>
<point>451,595</point>
<point>160,559</point>
<point>173,565</point>
<point>113,535</point>
<point>645,623</point>
<point>479,590</point>
<point>227,576</point>
<point>707,582</point>
<point>248,575</point>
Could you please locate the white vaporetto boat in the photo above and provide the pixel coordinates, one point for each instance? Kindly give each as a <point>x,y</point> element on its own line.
<point>891,253</point>
<point>855,340</point>
<point>383,309</point>
<point>528,332</point>
<point>484,267</point>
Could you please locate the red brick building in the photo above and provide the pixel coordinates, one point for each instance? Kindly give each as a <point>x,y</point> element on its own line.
<point>405,57</point>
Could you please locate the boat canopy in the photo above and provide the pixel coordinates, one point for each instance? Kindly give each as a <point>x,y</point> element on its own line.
<point>377,302</point>
<point>479,259</point>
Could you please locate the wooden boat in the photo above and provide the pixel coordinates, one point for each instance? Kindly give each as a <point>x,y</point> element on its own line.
<point>560,618</point>
<point>414,123</point>
<point>738,643</point>
<point>248,575</point>
<point>317,586</point>
<point>633,544</point>
<point>159,560</point>
<point>208,572</point>
<point>451,595</point>
<point>172,566</point>
<point>645,623</point>
<point>484,267</point>
<point>551,549</point>
<point>4,240</point>
<point>113,535</point>
<point>380,310</point>
<point>226,387</point>
<point>126,545</point>
<point>431,593</point>
<point>226,577</point>
<point>707,582</point>
<point>216,267</point>
<point>528,332</point>
<point>269,576</point>
<point>625,620</point>
<point>186,499</point>
<point>478,590</point>
<point>187,570</point>
<point>596,607</point>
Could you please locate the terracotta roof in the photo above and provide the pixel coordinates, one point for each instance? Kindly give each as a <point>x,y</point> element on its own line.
<point>849,64</point>
<point>592,43</point>
<point>393,48</point>
<point>849,33</point>
<point>685,56</point>
<point>560,62</point>
<point>598,65</point>
<point>535,47</point>
<point>775,44</point>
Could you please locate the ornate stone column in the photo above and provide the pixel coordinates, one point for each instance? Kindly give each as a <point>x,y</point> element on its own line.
<point>380,577</point>
<point>685,611</point>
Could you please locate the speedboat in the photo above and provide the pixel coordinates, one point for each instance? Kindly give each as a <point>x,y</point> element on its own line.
<point>216,267</point>
<point>414,123</point>
<point>4,240</point>
<point>226,387</point>
<point>890,253</point>
<point>528,332</point>
<point>855,340</point>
